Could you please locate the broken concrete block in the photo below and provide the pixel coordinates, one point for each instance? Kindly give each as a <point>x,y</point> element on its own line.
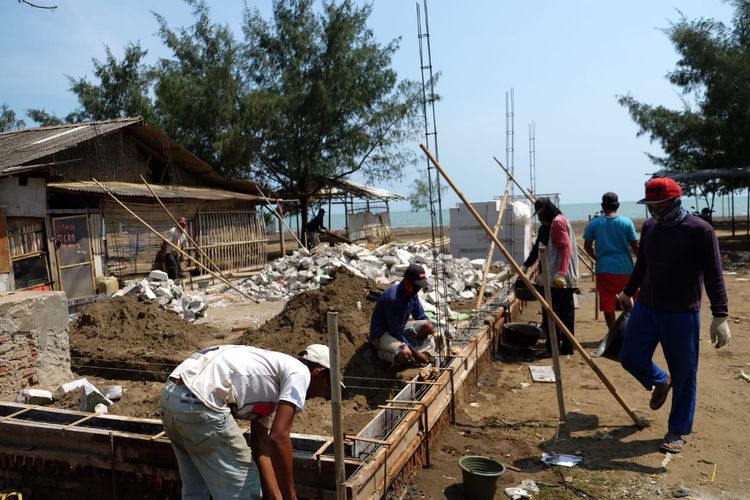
<point>35,397</point>
<point>112,392</point>
<point>158,276</point>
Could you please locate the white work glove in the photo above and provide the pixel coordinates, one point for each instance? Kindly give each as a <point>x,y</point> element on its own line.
<point>720,331</point>
<point>559,280</point>
<point>626,301</point>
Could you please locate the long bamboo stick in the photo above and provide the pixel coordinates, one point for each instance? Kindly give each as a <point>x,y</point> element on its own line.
<point>581,252</point>
<point>638,421</point>
<point>277,214</point>
<point>552,334</point>
<point>491,250</point>
<point>184,231</point>
<point>175,247</point>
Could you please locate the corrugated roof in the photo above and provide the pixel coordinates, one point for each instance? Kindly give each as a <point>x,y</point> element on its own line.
<point>706,175</point>
<point>343,186</point>
<point>129,189</point>
<point>19,147</point>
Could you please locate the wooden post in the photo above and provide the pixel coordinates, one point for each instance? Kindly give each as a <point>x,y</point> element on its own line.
<point>282,239</point>
<point>552,339</point>
<point>640,423</point>
<point>338,424</point>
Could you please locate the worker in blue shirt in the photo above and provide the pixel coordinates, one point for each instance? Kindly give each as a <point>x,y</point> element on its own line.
<point>397,339</point>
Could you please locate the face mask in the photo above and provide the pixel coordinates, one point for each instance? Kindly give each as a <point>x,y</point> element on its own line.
<point>669,215</point>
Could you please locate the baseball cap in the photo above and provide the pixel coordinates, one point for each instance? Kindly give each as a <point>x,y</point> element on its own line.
<point>660,189</point>
<point>417,275</point>
<point>319,354</point>
<point>609,200</point>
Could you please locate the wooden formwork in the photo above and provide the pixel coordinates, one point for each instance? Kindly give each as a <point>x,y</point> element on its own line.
<point>52,450</point>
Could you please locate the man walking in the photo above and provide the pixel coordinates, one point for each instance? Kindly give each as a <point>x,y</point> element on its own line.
<point>677,257</point>
<point>608,239</point>
<point>208,391</point>
<point>397,339</point>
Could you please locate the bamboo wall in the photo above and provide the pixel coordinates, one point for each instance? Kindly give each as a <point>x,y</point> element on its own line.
<point>234,238</point>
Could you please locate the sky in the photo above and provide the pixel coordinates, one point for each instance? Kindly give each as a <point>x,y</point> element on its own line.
<point>566,62</point>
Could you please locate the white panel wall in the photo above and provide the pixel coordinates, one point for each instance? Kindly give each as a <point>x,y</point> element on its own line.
<point>469,240</point>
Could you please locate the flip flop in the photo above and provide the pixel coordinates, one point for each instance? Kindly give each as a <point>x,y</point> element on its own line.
<point>659,395</point>
<point>672,444</point>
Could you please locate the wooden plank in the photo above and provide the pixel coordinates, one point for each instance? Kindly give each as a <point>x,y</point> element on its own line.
<point>5,266</point>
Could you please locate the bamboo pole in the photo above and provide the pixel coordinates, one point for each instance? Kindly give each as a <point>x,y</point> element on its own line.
<point>273,210</point>
<point>338,423</point>
<point>184,231</point>
<point>488,260</point>
<point>581,251</point>
<point>552,333</point>
<point>175,247</point>
<point>638,422</point>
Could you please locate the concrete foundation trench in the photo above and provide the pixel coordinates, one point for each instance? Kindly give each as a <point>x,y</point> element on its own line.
<point>59,453</point>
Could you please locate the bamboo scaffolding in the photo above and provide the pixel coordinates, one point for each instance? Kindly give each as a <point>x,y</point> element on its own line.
<point>581,251</point>
<point>175,247</point>
<point>640,423</point>
<point>491,250</point>
<point>277,214</point>
<point>190,238</point>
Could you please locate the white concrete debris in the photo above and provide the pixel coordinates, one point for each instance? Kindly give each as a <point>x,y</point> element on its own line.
<point>302,271</point>
<point>90,395</point>
<point>159,288</point>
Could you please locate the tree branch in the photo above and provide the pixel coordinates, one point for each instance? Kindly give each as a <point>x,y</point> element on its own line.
<point>45,7</point>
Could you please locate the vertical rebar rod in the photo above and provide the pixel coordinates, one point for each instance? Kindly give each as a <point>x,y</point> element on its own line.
<point>338,424</point>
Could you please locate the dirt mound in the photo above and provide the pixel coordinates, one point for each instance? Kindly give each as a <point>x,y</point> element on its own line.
<point>125,329</point>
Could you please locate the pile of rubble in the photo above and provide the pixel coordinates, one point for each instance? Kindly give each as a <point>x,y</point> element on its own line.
<point>90,398</point>
<point>158,287</point>
<point>303,270</point>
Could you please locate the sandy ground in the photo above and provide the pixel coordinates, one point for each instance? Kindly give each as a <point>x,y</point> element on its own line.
<point>511,418</point>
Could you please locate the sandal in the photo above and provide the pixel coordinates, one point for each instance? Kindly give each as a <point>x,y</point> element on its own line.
<point>660,393</point>
<point>672,444</point>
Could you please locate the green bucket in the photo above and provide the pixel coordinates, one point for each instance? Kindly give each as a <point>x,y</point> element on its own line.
<point>480,476</point>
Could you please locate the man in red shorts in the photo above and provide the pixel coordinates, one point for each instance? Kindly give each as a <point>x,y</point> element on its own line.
<point>608,239</point>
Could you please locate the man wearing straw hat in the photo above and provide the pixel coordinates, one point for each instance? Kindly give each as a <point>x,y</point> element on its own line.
<point>205,395</point>
<point>677,257</point>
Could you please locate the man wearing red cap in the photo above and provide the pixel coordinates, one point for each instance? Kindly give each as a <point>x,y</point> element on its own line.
<point>677,256</point>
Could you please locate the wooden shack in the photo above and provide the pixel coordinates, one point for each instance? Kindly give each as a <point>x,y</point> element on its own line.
<point>60,230</point>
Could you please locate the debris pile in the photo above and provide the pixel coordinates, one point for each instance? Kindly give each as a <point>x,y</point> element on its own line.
<point>80,393</point>
<point>159,288</point>
<point>302,270</point>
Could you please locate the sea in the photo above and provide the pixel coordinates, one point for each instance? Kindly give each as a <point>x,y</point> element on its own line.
<point>573,211</point>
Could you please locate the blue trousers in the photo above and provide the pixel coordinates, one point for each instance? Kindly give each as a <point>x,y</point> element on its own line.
<point>678,334</point>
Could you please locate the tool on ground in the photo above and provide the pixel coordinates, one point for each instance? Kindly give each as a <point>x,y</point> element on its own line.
<point>638,421</point>
<point>185,254</point>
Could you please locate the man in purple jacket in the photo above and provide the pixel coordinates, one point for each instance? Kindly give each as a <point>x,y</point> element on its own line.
<point>392,333</point>
<point>678,255</point>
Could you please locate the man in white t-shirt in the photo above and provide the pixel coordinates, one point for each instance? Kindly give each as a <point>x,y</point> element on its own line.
<point>173,258</point>
<point>209,390</point>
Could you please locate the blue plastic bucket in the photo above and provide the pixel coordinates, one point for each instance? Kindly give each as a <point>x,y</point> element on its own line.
<point>480,476</point>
